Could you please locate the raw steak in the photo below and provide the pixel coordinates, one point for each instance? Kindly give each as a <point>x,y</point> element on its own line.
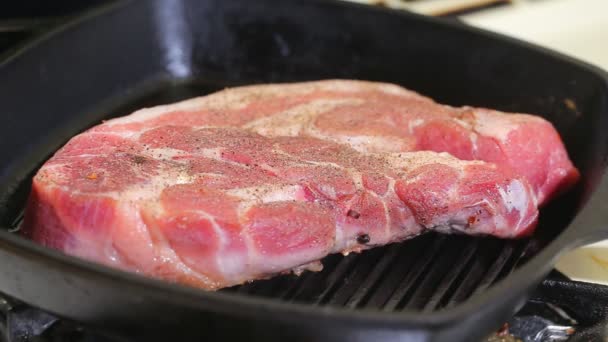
<point>215,207</point>
<point>258,180</point>
<point>378,117</point>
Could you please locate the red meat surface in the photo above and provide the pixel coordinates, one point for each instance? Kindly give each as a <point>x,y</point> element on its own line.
<point>259,180</point>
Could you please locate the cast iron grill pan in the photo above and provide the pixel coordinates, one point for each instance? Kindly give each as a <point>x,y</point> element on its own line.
<point>426,273</point>
<point>143,53</point>
<point>423,275</point>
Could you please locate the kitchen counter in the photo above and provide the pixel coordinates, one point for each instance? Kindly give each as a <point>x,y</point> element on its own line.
<point>574,27</point>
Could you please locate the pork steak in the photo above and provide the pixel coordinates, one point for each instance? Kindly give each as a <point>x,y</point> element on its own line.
<point>250,182</point>
<point>377,117</point>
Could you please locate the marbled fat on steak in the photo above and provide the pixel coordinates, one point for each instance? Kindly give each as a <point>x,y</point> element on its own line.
<point>259,180</point>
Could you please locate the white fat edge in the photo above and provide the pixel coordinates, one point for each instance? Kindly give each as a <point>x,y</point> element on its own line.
<point>494,124</point>
<point>216,154</point>
<point>88,249</point>
<point>80,155</point>
<point>454,189</point>
<point>223,239</point>
<point>226,99</point>
<point>370,143</point>
<point>137,192</point>
<point>462,123</point>
<point>54,164</point>
<point>256,90</point>
<point>177,178</point>
<point>277,125</point>
<point>357,177</point>
<point>287,193</point>
<point>269,169</point>
<point>313,266</point>
<point>211,153</point>
<point>305,162</point>
<point>473,138</point>
<point>293,89</point>
<point>391,188</point>
<point>346,86</point>
<point>500,223</point>
<point>447,223</point>
<point>413,124</point>
<point>133,135</point>
<point>319,163</point>
<point>267,193</point>
<point>387,216</point>
<point>150,191</point>
<point>494,211</point>
<point>341,85</point>
<point>294,121</point>
<point>515,197</point>
<point>340,240</point>
<point>443,228</point>
<point>356,86</point>
<point>133,211</point>
<point>238,98</point>
<point>393,89</point>
<point>328,190</point>
<point>165,172</point>
<point>412,160</point>
<point>232,98</point>
<point>241,97</point>
<point>146,114</point>
<point>107,245</point>
<point>165,153</point>
<point>407,227</point>
<point>490,207</point>
<point>556,156</point>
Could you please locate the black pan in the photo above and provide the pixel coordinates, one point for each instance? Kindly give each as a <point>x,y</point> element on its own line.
<point>147,52</point>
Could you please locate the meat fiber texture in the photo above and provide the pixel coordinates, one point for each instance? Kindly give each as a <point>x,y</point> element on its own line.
<point>259,180</point>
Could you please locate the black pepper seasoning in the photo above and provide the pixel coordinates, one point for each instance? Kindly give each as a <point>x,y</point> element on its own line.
<point>352,213</point>
<point>363,239</point>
